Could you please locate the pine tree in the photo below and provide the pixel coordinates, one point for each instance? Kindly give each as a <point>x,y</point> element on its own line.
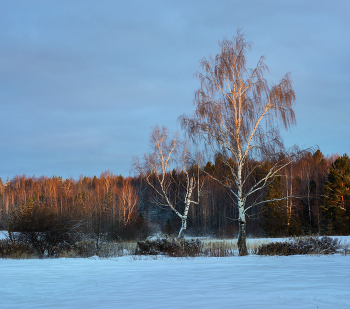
<point>336,206</point>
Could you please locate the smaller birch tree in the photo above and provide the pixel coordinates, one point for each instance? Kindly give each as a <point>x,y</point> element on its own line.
<point>168,152</point>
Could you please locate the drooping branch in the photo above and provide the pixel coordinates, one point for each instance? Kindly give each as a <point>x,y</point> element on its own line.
<point>237,111</point>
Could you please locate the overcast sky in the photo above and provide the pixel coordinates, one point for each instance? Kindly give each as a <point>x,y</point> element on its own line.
<point>82,82</point>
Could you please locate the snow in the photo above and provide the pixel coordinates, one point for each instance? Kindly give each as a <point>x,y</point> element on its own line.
<point>160,282</point>
<point>3,234</point>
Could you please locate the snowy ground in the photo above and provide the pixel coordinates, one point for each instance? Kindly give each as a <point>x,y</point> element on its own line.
<point>140,282</point>
<point>160,282</point>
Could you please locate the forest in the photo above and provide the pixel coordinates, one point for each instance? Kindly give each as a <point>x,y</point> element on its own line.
<point>125,208</point>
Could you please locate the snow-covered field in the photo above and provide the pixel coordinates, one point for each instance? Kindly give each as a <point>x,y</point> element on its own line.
<point>140,282</point>
<point>161,282</point>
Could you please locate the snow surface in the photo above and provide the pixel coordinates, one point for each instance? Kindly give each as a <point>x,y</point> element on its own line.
<point>160,282</point>
<point>3,234</point>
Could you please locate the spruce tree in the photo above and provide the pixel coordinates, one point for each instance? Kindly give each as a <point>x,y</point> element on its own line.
<point>336,198</point>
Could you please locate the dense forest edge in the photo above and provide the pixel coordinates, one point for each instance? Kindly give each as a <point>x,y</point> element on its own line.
<point>125,208</point>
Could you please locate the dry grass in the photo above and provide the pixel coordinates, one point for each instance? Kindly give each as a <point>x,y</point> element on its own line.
<point>114,249</point>
<point>228,247</point>
<point>219,248</point>
<point>186,248</point>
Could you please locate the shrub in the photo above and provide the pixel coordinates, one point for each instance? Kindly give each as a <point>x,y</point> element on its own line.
<point>138,229</point>
<point>14,250</point>
<point>303,245</point>
<point>169,246</point>
<point>88,248</point>
<point>43,230</point>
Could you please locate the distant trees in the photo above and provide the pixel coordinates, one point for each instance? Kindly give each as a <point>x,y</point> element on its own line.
<point>128,208</point>
<point>107,205</point>
<point>238,113</point>
<point>128,202</point>
<point>41,229</point>
<point>274,214</point>
<point>310,174</point>
<point>336,208</point>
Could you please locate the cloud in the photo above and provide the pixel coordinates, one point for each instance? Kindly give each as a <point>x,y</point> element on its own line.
<point>82,82</point>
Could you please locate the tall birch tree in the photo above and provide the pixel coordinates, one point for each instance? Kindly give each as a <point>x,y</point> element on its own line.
<point>239,113</point>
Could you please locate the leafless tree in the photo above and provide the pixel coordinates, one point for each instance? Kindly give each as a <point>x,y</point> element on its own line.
<point>192,181</point>
<point>237,112</point>
<point>128,200</point>
<point>166,154</point>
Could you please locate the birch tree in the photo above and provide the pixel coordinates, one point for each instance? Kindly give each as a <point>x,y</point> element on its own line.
<point>128,200</point>
<point>237,112</point>
<point>166,153</point>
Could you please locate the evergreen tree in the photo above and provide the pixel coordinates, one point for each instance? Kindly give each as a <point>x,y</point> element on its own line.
<point>274,217</point>
<point>336,197</point>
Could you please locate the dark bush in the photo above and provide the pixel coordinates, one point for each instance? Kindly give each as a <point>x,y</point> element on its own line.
<point>43,230</point>
<point>140,228</point>
<point>14,250</point>
<point>306,245</point>
<point>170,247</point>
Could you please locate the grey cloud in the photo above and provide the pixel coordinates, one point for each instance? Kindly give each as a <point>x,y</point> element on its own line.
<point>82,82</point>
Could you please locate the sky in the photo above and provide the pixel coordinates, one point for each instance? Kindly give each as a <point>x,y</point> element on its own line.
<point>83,82</point>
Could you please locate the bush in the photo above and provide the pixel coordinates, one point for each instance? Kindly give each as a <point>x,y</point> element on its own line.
<point>88,248</point>
<point>306,245</point>
<point>138,229</point>
<point>170,247</point>
<point>13,250</point>
<point>43,230</point>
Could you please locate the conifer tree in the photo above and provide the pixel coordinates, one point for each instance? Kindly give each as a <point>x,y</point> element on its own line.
<point>336,206</point>
<point>274,218</point>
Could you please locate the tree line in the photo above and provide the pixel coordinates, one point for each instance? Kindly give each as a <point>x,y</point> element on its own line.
<point>129,207</point>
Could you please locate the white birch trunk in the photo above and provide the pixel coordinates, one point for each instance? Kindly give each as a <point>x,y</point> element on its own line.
<point>183,227</point>
<point>242,240</point>
<point>187,207</point>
